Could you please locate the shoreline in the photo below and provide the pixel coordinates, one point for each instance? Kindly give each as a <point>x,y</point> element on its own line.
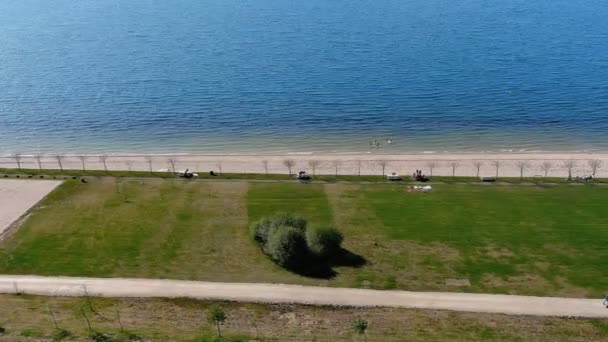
<point>443,164</point>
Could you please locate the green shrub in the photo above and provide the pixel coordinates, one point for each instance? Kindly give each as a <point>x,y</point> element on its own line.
<point>264,228</point>
<point>287,246</point>
<point>291,220</point>
<point>260,230</point>
<point>324,241</point>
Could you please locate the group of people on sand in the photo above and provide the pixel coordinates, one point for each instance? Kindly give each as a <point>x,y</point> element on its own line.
<point>419,176</point>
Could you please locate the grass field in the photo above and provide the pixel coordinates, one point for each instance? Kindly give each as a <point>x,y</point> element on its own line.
<point>26,318</point>
<point>540,240</point>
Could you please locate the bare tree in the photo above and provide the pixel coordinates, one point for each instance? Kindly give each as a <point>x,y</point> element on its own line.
<point>38,158</point>
<point>454,165</point>
<point>546,166</point>
<point>478,164</point>
<point>219,167</point>
<point>149,161</point>
<point>82,160</point>
<point>569,165</point>
<point>522,165</point>
<point>17,157</point>
<point>129,164</point>
<point>313,165</point>
<point>60,158</point>
<point>104,160</point>
<point>265,163</point>
<point>336,164</point>
<point>358,163</point>
<point>172,163</point>
<point>594,164</point>
<point>496,164</point>
<point>383,164</point>
<point>289,164</point>
<point>431,165</point>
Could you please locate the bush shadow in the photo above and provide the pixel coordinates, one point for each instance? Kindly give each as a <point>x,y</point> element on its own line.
<point>323,267</point>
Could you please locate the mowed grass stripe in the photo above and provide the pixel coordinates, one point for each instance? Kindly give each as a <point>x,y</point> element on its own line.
<point>308,200</point>
<point>511,238</point>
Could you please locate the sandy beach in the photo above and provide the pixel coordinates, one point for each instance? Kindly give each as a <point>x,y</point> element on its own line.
<point>509,164</point>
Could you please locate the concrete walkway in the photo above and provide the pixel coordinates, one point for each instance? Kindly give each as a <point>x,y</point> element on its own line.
<point>278,293</point>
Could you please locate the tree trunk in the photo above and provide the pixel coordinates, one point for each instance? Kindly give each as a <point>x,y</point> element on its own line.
<point>219,331</point>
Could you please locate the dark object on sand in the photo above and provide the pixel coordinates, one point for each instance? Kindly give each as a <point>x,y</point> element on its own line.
<point>211,173</point>
<point>393,177</point>
<point>419,177</point>
<point>303,176</point>
<point>83,180</point>
<point>187,174</point>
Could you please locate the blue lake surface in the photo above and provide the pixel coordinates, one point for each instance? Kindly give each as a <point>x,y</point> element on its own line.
<point>229,76</point>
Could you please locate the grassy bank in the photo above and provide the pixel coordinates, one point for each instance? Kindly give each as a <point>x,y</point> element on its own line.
<point>539,240</point>
<point>27,318</point>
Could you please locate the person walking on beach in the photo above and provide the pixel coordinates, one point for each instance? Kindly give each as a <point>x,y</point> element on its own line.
<point>605,302</point>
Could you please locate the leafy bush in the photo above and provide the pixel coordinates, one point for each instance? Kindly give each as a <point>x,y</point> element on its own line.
<point>260,230</point>
<point>266,227</point>
<point>324,241</point>
<point>286,239</point>
<point>287,246</point>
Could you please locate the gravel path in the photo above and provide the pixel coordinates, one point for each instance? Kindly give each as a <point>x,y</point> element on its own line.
<point>277,293</point>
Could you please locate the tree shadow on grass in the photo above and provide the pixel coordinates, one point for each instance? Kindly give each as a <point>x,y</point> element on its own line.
<point>323,268</point>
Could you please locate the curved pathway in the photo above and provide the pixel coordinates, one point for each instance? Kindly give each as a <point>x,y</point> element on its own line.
<point>278,293</point>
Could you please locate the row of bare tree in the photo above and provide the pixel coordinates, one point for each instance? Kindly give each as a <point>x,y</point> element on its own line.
<point>545,166</point>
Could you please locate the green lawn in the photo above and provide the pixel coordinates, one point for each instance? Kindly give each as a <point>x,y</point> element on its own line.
<point>541,240</point>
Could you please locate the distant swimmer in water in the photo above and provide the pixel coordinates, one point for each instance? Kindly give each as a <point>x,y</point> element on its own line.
<point>389,141</point>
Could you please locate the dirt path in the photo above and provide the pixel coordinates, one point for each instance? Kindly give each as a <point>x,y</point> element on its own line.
<point>276,293</point>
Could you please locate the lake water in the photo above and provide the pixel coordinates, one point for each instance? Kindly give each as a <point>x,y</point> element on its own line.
<point>228,76</point>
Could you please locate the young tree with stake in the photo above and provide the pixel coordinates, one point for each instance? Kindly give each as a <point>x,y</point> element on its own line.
<point>216,316</point>
<point>522,165</point>
<point>383,164</point>
<point>149,161</point>
<point>594,164</point>
<point>104,160</point>
<point>17,157</point>
<point>454,165</point>
<point>336,164</point>
<point>82,160</point>
<point>38,158</point>
<point>59,159</point>
<point>546,166</point>
<point>569,165</point>
<point>313,165</point>
<point>478,164</point>
<point>497,164</point>
<point>431,165</point>
<point>289,163</point>
<point>360,327</point>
